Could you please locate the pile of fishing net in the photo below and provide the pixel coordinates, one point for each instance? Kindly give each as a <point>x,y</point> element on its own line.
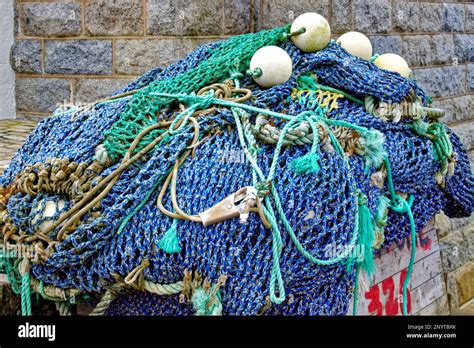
<point>196,191</point>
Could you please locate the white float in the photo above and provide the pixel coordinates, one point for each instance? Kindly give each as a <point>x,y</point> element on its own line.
<point>356,44</point>
<point>49,211</point>
<point>317,32</point>
<point>393,62</point>
<point>275,66</point>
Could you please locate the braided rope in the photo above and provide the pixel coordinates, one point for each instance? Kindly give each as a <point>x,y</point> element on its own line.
<point>63,308</point>
<point>399,205</point>
<point>24,269</point>
<point>109,296</point>
<point>164,289</point>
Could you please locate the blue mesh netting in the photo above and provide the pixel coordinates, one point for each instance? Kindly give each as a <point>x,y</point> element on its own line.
<point>320,207</point>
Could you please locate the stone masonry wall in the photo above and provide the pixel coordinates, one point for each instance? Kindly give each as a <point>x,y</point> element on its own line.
<point>81,50</point>
<point>7,75</point>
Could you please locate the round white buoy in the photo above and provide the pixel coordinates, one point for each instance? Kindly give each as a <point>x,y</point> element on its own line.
<point>356,44</point>
<point>317,32</point>
<point>393,62</point>
<point>275,66</point>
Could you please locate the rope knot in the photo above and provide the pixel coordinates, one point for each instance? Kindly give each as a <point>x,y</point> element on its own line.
<point>361,198</point>
<point>235,75</point>
<point>43,173</point>
<point>135,278</point>
<point>205,101</point>
<point>398,204</point>
<point>206,299</point>
<point>263,188</point>
<point>257,72</point>
<point>24,267</point>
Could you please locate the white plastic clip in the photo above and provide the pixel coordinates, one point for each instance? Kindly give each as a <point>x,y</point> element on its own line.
<point>247,203</point>
<point>235,205</point>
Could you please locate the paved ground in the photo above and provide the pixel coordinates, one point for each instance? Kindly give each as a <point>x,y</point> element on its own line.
<point>12,136</point>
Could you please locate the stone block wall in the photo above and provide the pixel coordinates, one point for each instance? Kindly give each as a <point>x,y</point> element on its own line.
<point>80,50</point>
<point>7,75</point>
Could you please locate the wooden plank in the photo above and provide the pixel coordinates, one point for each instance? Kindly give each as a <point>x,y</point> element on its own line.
<point>427,268</point>
<point>423,270</point>
<point>383,296</point>
<point>422,238</point>
<point>398,259</point>
<point>391,263</point>
<point>437,307</point>
<point>427,293</point>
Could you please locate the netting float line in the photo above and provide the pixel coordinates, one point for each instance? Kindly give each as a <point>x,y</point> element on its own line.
<point>195,191</point>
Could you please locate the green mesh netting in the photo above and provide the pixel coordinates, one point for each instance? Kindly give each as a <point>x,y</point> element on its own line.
<point>141,110</point>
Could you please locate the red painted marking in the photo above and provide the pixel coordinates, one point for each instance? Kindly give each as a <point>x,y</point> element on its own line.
<point>374,306</point>
<point>422,241</point>
<point>391,304</point>
<point>425,241</point>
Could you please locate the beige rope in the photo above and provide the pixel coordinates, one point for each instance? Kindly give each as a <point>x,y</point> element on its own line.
<point>226,90</point>
<point>135,278</point>
<point>76,212</point>
<point>105,301</point>
<point>63,308</point>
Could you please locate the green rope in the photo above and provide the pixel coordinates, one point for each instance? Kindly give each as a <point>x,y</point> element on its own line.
<point>169,243</point>
<point>9,266</point>
<point>127,218</point>
<point>200,300</point>
<point>191,99</point>
<point>276,278</point>
<point>312,117</point>
<point>436,132</point>
<point>25,295</point>
<point>374,57</point>
<point>308,163</point>
<point>442,146</point>
<point>24,269</point>
<point>255,73</point>
<point>399,205</point>
<point>142,108</point>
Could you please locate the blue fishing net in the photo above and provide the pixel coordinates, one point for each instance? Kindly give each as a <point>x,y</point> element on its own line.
<point>320,206</point>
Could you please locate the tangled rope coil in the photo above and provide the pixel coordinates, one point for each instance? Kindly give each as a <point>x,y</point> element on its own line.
<point>302,135</point>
